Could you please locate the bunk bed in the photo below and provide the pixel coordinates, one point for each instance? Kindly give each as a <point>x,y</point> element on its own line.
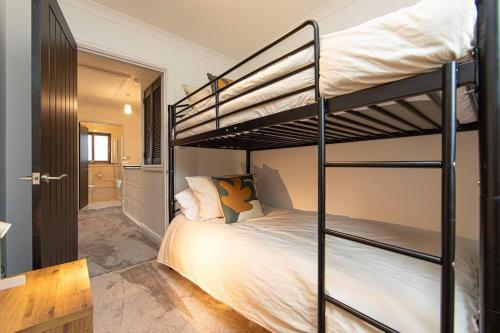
<point>293,101</point>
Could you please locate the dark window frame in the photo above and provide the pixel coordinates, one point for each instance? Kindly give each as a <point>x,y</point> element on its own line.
<point>92,135</point>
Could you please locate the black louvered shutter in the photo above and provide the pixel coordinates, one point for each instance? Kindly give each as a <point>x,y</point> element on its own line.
<point>152,124</point>
<point>148,124</point>
<point>157,123</point>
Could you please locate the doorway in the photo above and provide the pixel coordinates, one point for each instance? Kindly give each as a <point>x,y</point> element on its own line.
<point>111,115</point>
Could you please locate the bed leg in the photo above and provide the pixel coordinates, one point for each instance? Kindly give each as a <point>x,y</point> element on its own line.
<point>448,197</point>
<point>171,164</point>
<point>321,215</point>
<point>489,154</point>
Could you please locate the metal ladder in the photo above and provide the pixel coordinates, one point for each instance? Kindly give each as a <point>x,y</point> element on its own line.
<point>448,189</point>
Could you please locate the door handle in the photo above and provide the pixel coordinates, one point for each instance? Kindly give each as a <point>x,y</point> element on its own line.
<point>47,178</point>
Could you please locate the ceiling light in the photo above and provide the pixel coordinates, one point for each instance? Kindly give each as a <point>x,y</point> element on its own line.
<point>127,109</point>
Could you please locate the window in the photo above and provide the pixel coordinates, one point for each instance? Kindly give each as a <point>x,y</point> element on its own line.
<point>152,123</point>
<point>99,148</point>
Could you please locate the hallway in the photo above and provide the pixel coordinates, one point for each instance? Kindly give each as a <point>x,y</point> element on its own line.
<point>110,241</point>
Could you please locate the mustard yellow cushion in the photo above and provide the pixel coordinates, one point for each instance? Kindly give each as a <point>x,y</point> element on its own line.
<point>221,83</point>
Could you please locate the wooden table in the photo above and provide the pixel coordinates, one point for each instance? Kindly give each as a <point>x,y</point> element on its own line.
<point>56,299</point>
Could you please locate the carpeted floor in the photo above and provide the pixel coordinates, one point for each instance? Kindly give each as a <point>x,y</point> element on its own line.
<point>133,293</point>
<point>110,241</point>
<point>103,204</point>
<point>150,297</point>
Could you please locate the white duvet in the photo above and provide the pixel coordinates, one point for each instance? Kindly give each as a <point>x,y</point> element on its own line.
<point>266,269</point>
<point>410,41</point>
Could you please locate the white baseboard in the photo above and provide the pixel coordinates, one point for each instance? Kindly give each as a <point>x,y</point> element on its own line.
<point>144,227</point>
<point>12,282</point>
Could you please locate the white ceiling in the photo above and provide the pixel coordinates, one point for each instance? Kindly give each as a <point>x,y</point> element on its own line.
<point>108,81</point>
<point>219,24</point>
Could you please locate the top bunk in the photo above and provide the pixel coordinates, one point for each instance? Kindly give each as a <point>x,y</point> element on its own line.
<point>381,79</point>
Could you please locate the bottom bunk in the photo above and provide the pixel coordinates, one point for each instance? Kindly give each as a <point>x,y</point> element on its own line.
<point>266,269</point>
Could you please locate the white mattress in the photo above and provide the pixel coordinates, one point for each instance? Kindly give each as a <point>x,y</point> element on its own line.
<point>410,41</point>
<point>266,269</point>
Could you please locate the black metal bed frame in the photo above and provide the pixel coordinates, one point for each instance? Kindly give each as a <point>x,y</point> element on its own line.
<point>334,120</point>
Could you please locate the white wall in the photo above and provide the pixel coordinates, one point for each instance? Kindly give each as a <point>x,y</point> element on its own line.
<point>209,162</point>
<point>288,178</point>
<point>2,108</point>
<point>18,134</point>
<point>2,124</point>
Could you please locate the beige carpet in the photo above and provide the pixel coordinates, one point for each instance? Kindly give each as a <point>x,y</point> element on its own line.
<point>150,297</point>
<point>110,241</point>
<point>103,204</point>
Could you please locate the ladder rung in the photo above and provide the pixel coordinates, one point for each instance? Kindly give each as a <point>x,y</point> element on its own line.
<point>400,250</point>
<point>386,164</point>
<point>360,315</point>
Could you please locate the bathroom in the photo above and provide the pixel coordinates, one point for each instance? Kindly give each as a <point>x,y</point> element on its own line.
<point>105,165</point>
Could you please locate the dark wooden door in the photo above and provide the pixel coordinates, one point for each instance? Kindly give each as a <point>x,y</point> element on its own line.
<point>55,141</point>
<point>84,167</point>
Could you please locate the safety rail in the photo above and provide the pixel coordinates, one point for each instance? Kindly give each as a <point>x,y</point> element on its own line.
<point>214,83</point>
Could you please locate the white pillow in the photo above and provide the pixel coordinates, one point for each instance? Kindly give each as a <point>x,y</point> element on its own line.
<point>208,198</point>
<point>189,204</point>
<point>188,89</point>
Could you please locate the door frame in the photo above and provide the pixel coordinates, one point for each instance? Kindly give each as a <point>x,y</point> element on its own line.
<point>167,81</point>
<point>80,145</point>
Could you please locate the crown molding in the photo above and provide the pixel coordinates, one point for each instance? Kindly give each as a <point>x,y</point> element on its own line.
<point>107,102</point>
<point>136,25</point>
<point>105,71</point>
<point>328,9</point>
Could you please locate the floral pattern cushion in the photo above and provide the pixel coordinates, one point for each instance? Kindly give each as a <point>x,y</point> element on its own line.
<point>238,198</point>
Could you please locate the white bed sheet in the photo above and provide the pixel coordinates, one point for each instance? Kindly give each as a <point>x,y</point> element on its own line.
<point>410,41</point>
<point>266,269</point>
